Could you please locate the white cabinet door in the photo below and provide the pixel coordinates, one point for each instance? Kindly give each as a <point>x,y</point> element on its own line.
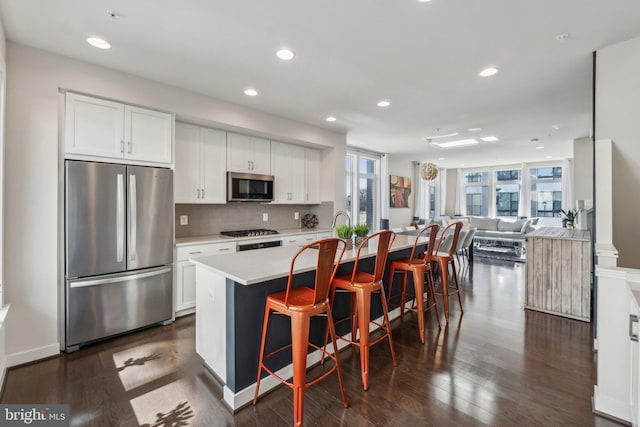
<point>185,286</point>
<point>248,154</point>
<point>298,239</point>
<point>312,165</point>
<point>148,135</point>
<point>187,174</point>
<point>93,127</point>
<point>261,153</point>
<point>288,169</point>
<point>200,175</point>
<point>214,165</point>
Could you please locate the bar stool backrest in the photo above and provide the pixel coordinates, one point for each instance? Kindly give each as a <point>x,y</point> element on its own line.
<point>448,243</point>
<point>433,231</point>
<point>385,240</point>
<point>326,266</point>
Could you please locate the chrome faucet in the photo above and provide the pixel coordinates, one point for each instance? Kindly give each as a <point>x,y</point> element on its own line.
<point>335,218</point>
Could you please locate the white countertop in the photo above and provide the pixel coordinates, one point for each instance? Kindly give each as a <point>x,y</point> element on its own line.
<point>218,238</point>
<point>260,265</point>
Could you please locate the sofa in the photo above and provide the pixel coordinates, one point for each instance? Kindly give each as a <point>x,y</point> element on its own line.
<point>496,231</point>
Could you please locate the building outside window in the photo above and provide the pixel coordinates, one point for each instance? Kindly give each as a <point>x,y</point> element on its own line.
<point>546,194</point>
<point>507,192</point>
<point>477,193</point>
<point>363,180</point>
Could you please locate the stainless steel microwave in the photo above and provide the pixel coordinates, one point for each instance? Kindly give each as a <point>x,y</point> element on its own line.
<point>247,187</point>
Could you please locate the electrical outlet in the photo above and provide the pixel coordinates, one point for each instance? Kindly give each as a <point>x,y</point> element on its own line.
<point>296,215</point>
<point>265,216</point>
<point>184,220</point>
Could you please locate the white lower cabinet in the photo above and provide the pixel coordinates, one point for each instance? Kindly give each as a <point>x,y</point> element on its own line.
<point>298,239</point>
<point>185,299</point>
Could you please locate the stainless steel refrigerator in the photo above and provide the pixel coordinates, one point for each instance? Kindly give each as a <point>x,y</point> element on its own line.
<point>118,249</point>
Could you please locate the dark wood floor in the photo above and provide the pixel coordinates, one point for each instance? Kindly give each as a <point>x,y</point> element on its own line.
<point>497,365</point>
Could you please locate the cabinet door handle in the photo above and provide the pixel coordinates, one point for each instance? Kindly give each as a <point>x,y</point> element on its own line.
<point>202,193</point>
<point>633,335</point>
<point>223,249</point>
<point>198,193</point>
<point>122,146</point>
<point>249,164</point>
<point>130,147</point>
<point>195,253</point>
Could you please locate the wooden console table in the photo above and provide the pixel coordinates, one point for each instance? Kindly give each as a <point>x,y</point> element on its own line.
<point>559,272</point>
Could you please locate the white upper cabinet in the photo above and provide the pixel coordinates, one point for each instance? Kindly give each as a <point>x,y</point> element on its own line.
<point>200,165</point>
<point>248,154</point>
<point>99,128</point>
<point>312,165</point>
<point>297,173</point>
<point>288,169</point>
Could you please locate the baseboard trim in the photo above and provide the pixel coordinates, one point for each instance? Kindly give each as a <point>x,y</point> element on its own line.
<point>20,358</point>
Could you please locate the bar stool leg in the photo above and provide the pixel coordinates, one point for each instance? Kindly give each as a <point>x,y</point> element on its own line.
<point>363,300</point>
<point>431,293</point>
<point>418,287</point>
<point>332,330</point>
<point>265,325</point>
<point>455,281</point>
<point>444,283</point>
<point>299,342</point>
<point>403,292</point>
<point>387,324</point>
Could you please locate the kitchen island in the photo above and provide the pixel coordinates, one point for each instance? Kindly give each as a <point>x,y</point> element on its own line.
<point>231,291</point>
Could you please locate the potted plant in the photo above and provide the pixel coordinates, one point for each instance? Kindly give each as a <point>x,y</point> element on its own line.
<point>345,232</point>
<point>361,231</point>
<point>570,216</point>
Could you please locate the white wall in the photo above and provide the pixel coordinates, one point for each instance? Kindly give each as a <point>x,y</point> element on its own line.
<point>617,113</point>
<point>32,173</point>
<point>582,169</point>
<point>452,182</point>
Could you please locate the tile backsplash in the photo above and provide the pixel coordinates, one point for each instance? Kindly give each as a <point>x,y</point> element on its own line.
<point>212,219</point>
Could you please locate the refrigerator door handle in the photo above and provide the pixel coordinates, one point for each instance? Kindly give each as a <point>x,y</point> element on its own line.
<point>133,214</point>
<point>120,218</point>
<point>96,282</point>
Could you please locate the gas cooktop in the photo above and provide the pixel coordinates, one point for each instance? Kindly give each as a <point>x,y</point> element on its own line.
<point>249,233</point>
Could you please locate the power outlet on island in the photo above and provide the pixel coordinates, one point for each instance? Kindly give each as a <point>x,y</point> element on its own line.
<point>265,217</point>
<point>296,215</point>
<point>184,220</point>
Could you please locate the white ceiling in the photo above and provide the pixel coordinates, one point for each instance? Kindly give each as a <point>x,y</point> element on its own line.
<point>423,57</point>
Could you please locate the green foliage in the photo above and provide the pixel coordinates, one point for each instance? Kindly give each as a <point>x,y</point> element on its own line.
<point>344,231</point>
<point>361,230</point>
<point>571,214</point>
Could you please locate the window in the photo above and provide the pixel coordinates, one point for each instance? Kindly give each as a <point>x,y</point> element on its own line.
<point>507,192</point>
<point>546,193</point>
<point>431,208</point>
<point>363,194</point>
<point>477,193</point>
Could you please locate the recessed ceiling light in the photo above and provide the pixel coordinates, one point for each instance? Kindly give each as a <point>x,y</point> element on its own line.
<point>98,42</point>
<point>563,37</point>
<point>457,143</point>
<point>440,158</point>
<point>384,103</point>
<point>489,139</point>
<point>285,54</point>
<point>556,127</point>
<point>250,92</point>
<point>330,119</point>
<point>447,135</point>
<point>474,129</point>
<point>424,1</point>
<point>488,72</point>
<point>539,147</point>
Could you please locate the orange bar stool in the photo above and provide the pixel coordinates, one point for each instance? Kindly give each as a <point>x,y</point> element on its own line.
<point>444,256</point>
<point>362,285</point>
<point>300,304</point>
<point>418,267</point>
